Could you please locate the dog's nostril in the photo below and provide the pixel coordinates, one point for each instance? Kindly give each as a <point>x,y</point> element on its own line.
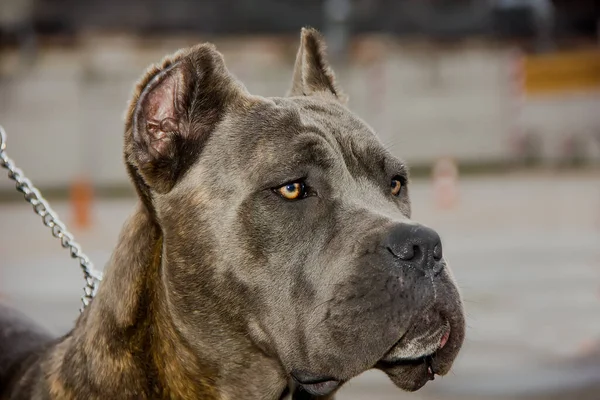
<point>407,253</point>
<point>417,252</point>
<point>391,251</point>
<point>437,252</point>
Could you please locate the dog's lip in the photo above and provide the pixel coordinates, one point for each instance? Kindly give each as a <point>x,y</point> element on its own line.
<point>316,385</point>
<point>410,375</point>
<point>417,359</point>
<point>419,369</point>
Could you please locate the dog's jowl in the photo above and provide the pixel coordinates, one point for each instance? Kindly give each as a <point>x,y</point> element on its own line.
<point>272,251</point>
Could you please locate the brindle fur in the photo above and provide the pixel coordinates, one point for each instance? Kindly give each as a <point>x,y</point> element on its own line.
<point>218,288</point>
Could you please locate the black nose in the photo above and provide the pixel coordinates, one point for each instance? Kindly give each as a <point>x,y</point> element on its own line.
<point>416,245</point>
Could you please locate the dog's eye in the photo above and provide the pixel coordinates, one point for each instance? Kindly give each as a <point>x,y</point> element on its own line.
<point>292,191</point>
<point>396,186</point>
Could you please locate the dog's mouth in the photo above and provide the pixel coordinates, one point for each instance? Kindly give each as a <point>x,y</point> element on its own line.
<point>411,350</point>
<point>411,371</point>
<point>423,367</point>
<point>397,356</point>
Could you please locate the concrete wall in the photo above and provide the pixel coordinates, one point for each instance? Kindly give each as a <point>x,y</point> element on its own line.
<point>64,113</point>
<point>555,121</point>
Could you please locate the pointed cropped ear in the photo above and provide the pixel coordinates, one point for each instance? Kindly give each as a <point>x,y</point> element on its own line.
<point>312,72</point>
<point>175,109</point>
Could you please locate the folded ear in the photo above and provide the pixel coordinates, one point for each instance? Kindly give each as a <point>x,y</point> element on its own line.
<point>312,72</point>
<point>176,107</point>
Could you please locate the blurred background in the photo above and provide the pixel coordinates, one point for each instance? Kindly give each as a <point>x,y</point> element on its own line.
<point>494,104</point>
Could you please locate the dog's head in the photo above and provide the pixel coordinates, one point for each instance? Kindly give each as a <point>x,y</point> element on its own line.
<point>287,222</point>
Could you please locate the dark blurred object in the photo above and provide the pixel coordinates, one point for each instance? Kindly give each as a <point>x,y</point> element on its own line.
<point>525,18</point>
<point>15,16</point>
<point>337,15</point>
<point>447,18</point>
<point>16,25</point>
<point>441,18</point>
<point>517,21</point>
<point>178,16</point>
<point>577,18</point>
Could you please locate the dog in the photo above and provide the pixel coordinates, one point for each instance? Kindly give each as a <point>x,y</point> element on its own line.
<point>271,253</point>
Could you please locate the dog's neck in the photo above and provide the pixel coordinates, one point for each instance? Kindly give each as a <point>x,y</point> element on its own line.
<point>126,345</point>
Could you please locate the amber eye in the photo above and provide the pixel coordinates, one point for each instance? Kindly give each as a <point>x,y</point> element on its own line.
<point>292,191</point>
<point>396,186</point>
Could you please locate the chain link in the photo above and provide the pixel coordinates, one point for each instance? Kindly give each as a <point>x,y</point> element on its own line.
<point>50,219</point>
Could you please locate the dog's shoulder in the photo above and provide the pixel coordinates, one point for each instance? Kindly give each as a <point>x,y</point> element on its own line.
<point>22,342</point>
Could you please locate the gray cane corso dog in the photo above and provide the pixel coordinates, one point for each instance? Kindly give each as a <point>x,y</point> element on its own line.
<point>272,254</point>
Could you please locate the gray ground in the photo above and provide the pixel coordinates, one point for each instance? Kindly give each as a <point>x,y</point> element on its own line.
<point>525,249</point>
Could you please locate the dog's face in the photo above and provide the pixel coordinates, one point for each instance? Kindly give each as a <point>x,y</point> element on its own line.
<point>288,219</point>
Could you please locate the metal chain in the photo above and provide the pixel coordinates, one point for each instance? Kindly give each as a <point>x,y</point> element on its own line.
<point>50,219</point>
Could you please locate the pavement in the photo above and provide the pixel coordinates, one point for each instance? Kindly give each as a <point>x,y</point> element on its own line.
<point>524,247</point>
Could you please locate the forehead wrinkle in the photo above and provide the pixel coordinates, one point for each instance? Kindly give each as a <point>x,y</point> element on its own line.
<point>319,151</point>
<point>307,139</point>
<point>367,157</point>
<point>316,124</point>
<point>290,155</point>
<point>343,137</point>
<point>361,151</point>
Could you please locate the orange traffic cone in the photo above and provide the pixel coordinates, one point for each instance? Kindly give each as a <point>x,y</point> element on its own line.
<point>81,202</point>
<point>445,183</point>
